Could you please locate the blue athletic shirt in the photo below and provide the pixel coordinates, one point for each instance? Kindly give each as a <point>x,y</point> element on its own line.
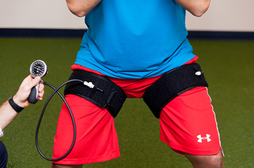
<point>135,39</point>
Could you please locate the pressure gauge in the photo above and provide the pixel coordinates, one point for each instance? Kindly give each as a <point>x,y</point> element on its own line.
<point>38,68</point>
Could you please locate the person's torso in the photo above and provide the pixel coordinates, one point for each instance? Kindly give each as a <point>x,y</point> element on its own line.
<point>134,38</point>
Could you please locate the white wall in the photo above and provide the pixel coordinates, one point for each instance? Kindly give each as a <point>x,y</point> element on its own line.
<point>223,15</point>
<point>38,14</point>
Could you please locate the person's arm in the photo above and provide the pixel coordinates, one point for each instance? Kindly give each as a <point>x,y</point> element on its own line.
<point>195,7</point>
<point>7,113</point>
<point>81,7</point>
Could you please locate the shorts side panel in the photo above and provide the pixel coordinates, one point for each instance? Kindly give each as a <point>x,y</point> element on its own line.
<point>96,135</point>
<point>188,124</point>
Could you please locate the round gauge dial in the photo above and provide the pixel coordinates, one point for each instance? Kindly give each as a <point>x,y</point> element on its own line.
<point>38,68</point>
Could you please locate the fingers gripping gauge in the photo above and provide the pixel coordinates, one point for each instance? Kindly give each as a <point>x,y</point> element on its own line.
<point>37,68</point>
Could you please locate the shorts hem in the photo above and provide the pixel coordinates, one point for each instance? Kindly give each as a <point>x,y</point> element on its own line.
<point>82,161</point>
<point>182,150</point>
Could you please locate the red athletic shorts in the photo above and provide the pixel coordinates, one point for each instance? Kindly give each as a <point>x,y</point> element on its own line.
<point>187,125</point>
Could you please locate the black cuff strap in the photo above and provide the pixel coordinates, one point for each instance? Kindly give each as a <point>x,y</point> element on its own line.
<point>103,92</point>
<point>172,84</point>
<point>16,107</point>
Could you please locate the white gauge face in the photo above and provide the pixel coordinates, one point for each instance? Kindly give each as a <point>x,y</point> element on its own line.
<point>38,68</point>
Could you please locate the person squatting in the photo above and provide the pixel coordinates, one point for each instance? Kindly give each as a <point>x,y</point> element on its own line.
<point>137,49</point>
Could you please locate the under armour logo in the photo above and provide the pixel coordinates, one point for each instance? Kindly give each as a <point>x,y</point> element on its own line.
<point>203,138</point>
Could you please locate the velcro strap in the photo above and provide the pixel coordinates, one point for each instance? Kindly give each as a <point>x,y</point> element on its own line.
<point>172,84</point>
<point>97,89</point>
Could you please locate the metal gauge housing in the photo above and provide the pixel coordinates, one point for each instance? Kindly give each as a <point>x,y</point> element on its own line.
<point>38,68</point>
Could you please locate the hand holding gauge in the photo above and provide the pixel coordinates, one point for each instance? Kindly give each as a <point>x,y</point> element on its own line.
<point>37,68</point>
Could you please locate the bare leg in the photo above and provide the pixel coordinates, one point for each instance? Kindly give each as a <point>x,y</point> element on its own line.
<point>207,161</point>
<point>65,166</point>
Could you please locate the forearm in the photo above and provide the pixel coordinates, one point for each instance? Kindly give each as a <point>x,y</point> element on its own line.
<point>195,7</point>
<point>7,114</point>
<point>81,7</point>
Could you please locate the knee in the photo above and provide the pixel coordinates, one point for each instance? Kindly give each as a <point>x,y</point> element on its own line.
<point>3,155</point>
<point>216,161</point>
<point>211,161</point>
<point>208,161</point>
